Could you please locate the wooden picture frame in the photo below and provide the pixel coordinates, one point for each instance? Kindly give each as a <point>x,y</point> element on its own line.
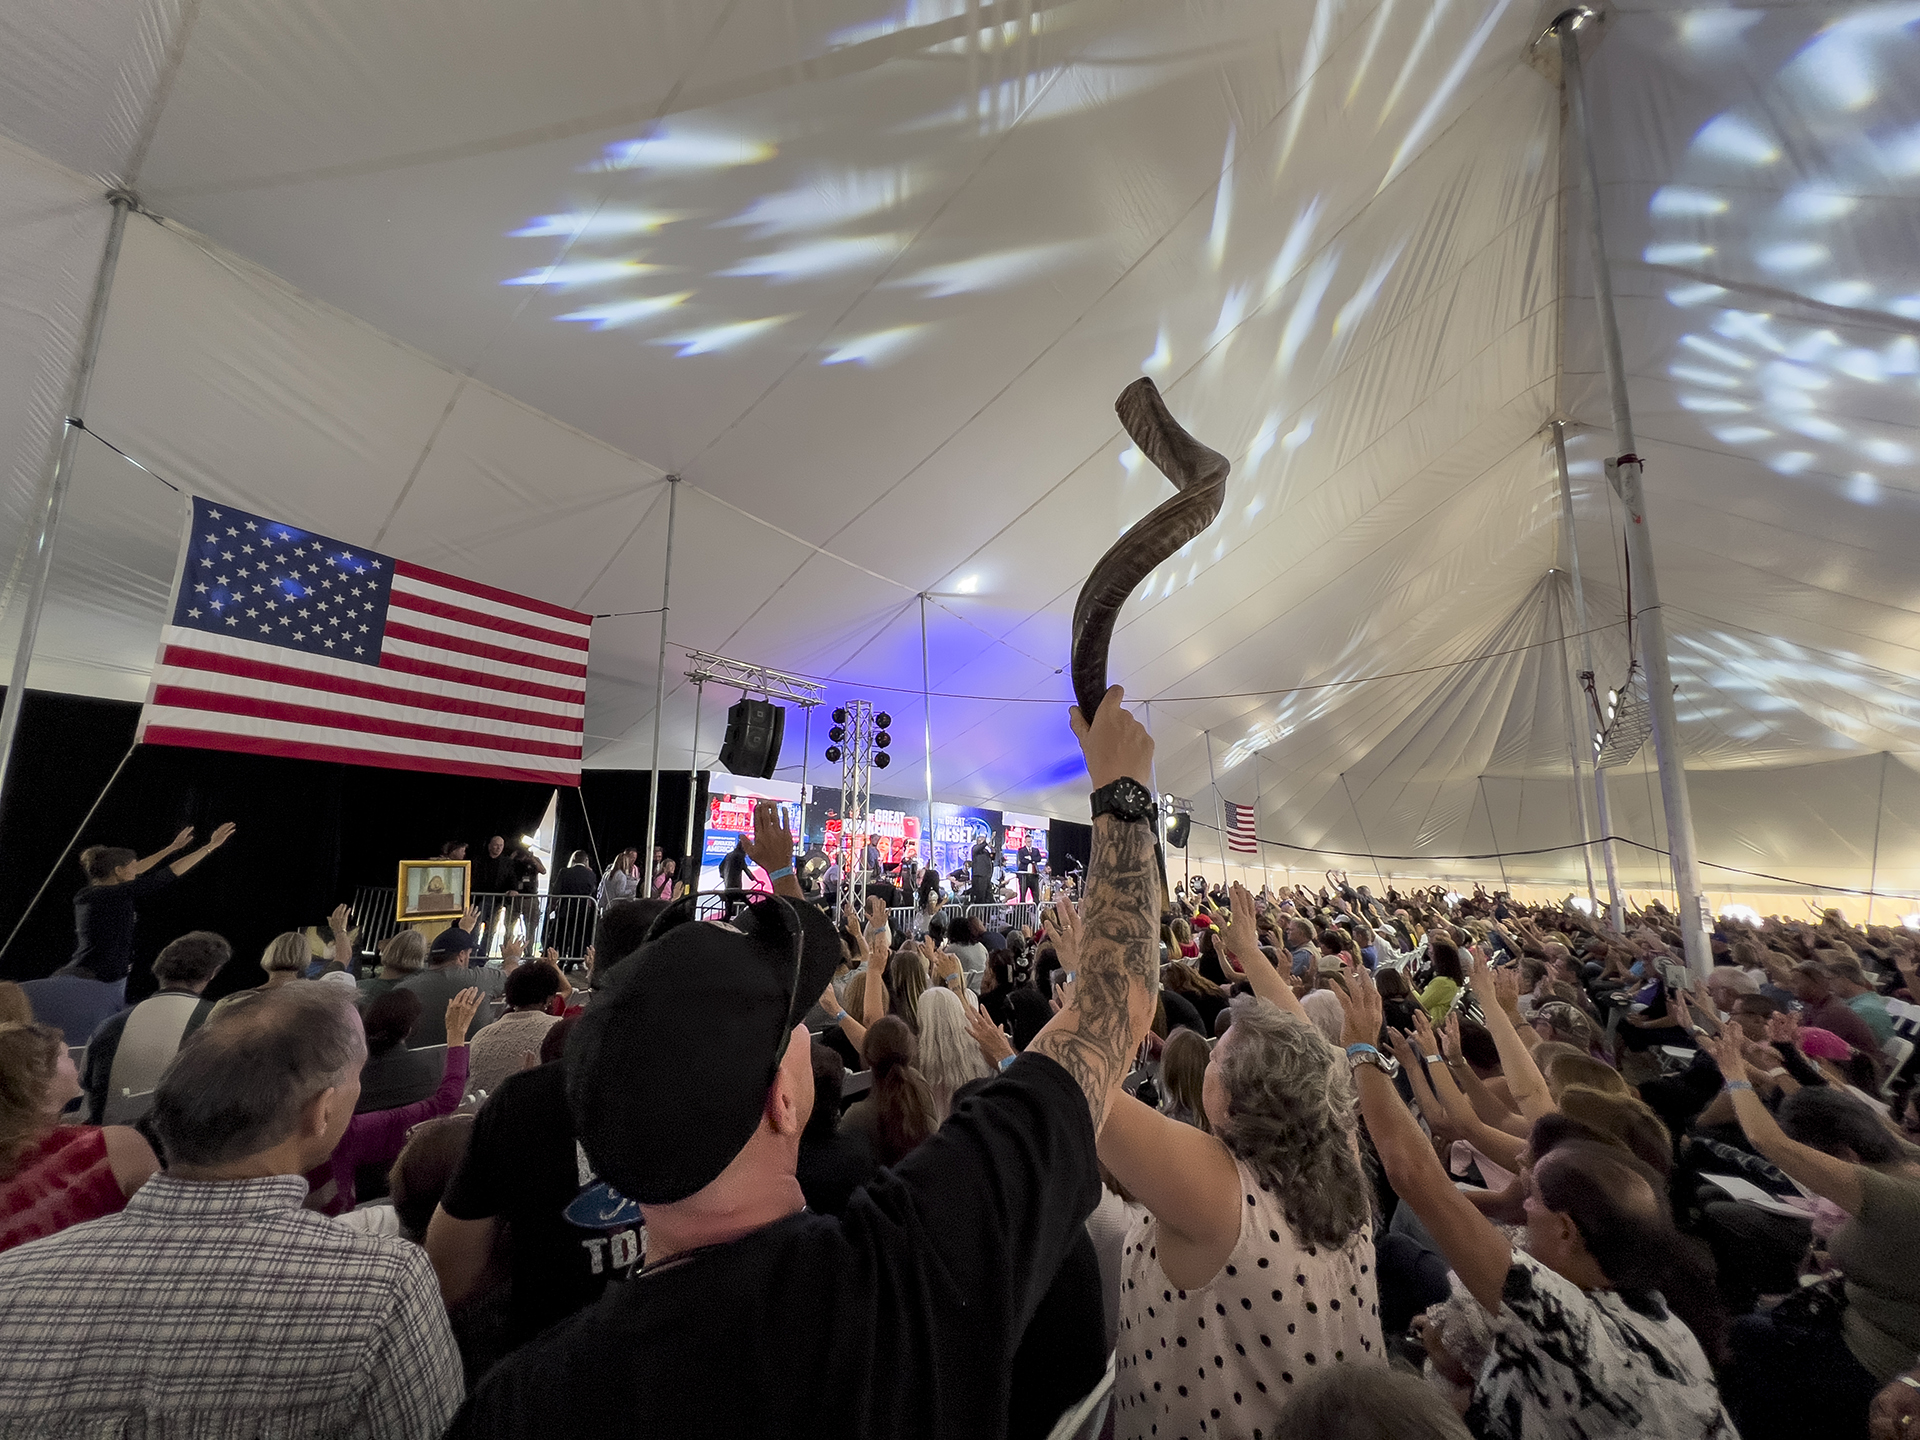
<point>432,890</point>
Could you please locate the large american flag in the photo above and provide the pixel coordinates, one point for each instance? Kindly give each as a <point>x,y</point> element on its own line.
<point>1240,834</point>
<point>284,642</point>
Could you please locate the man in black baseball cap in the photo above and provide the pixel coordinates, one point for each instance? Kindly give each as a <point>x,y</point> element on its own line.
<point>690,1082</point>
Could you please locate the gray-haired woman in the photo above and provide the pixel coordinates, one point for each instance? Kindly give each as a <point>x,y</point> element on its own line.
<point>1254,1268</point>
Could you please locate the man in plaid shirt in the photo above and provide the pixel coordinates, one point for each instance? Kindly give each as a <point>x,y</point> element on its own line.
<point>214,1305</point>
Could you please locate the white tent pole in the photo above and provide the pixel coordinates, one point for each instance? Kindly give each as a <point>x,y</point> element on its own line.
<point>926,710</point>
<point>1879,804</point>
<point>693,784</point>
<point>1573,753</point>
<point>1616,912</point>
<point>1695,921</point>
<point>53,494</point>
<point>1219,807</point>
<point>1258,843</point>
<point>660,683</point>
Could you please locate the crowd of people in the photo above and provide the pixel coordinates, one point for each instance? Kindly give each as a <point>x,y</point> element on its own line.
<point>1311,1162</point>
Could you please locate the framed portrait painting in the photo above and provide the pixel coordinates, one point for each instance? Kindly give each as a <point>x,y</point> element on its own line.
<point>431,889</point>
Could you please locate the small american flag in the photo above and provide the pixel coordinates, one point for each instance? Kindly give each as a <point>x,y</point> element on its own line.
<point>1240,836</point>
<point>284,642</point>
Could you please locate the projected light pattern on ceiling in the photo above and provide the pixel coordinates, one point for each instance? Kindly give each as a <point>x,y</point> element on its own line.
<point>1822,391</point>
<point>721,229</point>
<point>1754,689</point>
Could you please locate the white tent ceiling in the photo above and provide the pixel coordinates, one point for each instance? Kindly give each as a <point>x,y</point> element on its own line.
<point>466,281</point>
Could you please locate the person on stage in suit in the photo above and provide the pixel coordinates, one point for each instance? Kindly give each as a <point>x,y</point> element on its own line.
<point>1026,864</point>
<point>980,877</point>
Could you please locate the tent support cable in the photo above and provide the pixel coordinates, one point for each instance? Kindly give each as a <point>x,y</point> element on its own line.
<point>53,491</point>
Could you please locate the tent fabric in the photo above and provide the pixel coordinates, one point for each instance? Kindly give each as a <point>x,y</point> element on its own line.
<point>470,283</point>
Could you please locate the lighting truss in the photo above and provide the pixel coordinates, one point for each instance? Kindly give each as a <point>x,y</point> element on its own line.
<point>1625,719</point>
<point>753,679</point>
<point>856,800</point>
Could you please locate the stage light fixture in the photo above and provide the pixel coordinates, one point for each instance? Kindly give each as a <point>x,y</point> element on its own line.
<point>883,739</point>
<point>881,761</point>
<point>833,754</point>
<point>840,716</point>
<point>837,734</point>
<point>882,720</point>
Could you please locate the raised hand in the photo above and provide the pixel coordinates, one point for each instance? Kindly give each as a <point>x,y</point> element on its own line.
<point>512,950</point>
<point>1783,1029</point>
<point>220,836</point>
<point>1401,1047</point>
<point>771,847</point>
<point>1360,1003</point>
<point>1062,928</point>
<point>1725,1050</point>
<point>1239,928</point>
<point>469,918</point>
<point>1423,1031</point>
<point>460,1015</point>
<point>991,1039</point>
<point>1452,1037</point>
<point>180,841</point>
<point>340,921</point>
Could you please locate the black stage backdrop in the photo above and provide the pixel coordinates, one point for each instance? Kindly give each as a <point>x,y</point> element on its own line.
<point>308,832</point>
<point>1067,837</point>
<point>615,817</point>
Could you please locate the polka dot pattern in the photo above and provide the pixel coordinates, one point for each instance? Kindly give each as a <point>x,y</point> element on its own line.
<point>1219,1361</point>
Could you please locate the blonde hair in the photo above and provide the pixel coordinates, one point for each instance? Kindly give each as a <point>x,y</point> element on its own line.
<point>948,1055</point>
<point>29,1056</point>
<point>405,953</point>
<point>906,979</point>
<point>1566,1071</point>
<point>287,952</point>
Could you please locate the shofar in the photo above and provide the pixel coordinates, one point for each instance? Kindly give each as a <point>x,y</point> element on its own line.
<point>1200,475</point>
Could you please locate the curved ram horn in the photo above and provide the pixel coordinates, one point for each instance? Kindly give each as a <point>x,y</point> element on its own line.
<point>1201,476</point>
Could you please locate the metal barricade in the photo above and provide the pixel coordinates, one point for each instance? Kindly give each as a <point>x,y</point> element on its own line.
<point>560,922</point>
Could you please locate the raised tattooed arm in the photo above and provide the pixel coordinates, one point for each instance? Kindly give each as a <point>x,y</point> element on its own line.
<point>1096,1033</point>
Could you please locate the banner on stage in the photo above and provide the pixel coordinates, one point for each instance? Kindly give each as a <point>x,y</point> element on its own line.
<point>281,641</point>
<point>729,819</point>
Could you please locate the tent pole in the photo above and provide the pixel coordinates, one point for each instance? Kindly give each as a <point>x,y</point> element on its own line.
<point>1879,804</point>
<point>926,712</point>
<point>1258,843</point>
<point>660,681</point>
<point>693,783</point>
<point>53,493</point>
<point>1573,757</point>
<point>1219,807</point>
<point>1616,912</point>
<point>1695,920</point>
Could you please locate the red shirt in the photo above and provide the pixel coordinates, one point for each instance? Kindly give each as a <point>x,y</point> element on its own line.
<point>59,1181</point>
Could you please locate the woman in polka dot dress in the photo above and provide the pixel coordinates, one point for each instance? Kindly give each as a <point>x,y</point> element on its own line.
<point>1254,1268</point>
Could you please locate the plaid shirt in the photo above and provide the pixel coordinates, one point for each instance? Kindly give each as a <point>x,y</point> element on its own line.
<point>222,1310</point>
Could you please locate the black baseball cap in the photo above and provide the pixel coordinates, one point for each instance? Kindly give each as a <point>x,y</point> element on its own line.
<point>668,1071</point>
<point>451,941</point>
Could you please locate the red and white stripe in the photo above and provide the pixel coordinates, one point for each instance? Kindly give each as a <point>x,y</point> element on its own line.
<point>473,680</point>
<point>1240,831</point>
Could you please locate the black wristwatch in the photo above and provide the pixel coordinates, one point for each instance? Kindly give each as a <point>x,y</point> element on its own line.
<point>1126,799</point>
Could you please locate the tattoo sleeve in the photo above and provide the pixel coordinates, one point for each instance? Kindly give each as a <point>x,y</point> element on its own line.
<point>1119,974</point>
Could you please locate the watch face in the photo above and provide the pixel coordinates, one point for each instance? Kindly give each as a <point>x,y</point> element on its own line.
<point>1126,798</point>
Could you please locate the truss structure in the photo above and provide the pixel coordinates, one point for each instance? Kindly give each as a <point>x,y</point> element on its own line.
<point>856,800</point>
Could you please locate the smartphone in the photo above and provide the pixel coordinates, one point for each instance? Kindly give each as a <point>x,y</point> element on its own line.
<point>1057,977</point>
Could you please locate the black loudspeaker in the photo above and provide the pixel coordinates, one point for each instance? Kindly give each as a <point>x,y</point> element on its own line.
<point>1177,828</point>
<point>754,731</point>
